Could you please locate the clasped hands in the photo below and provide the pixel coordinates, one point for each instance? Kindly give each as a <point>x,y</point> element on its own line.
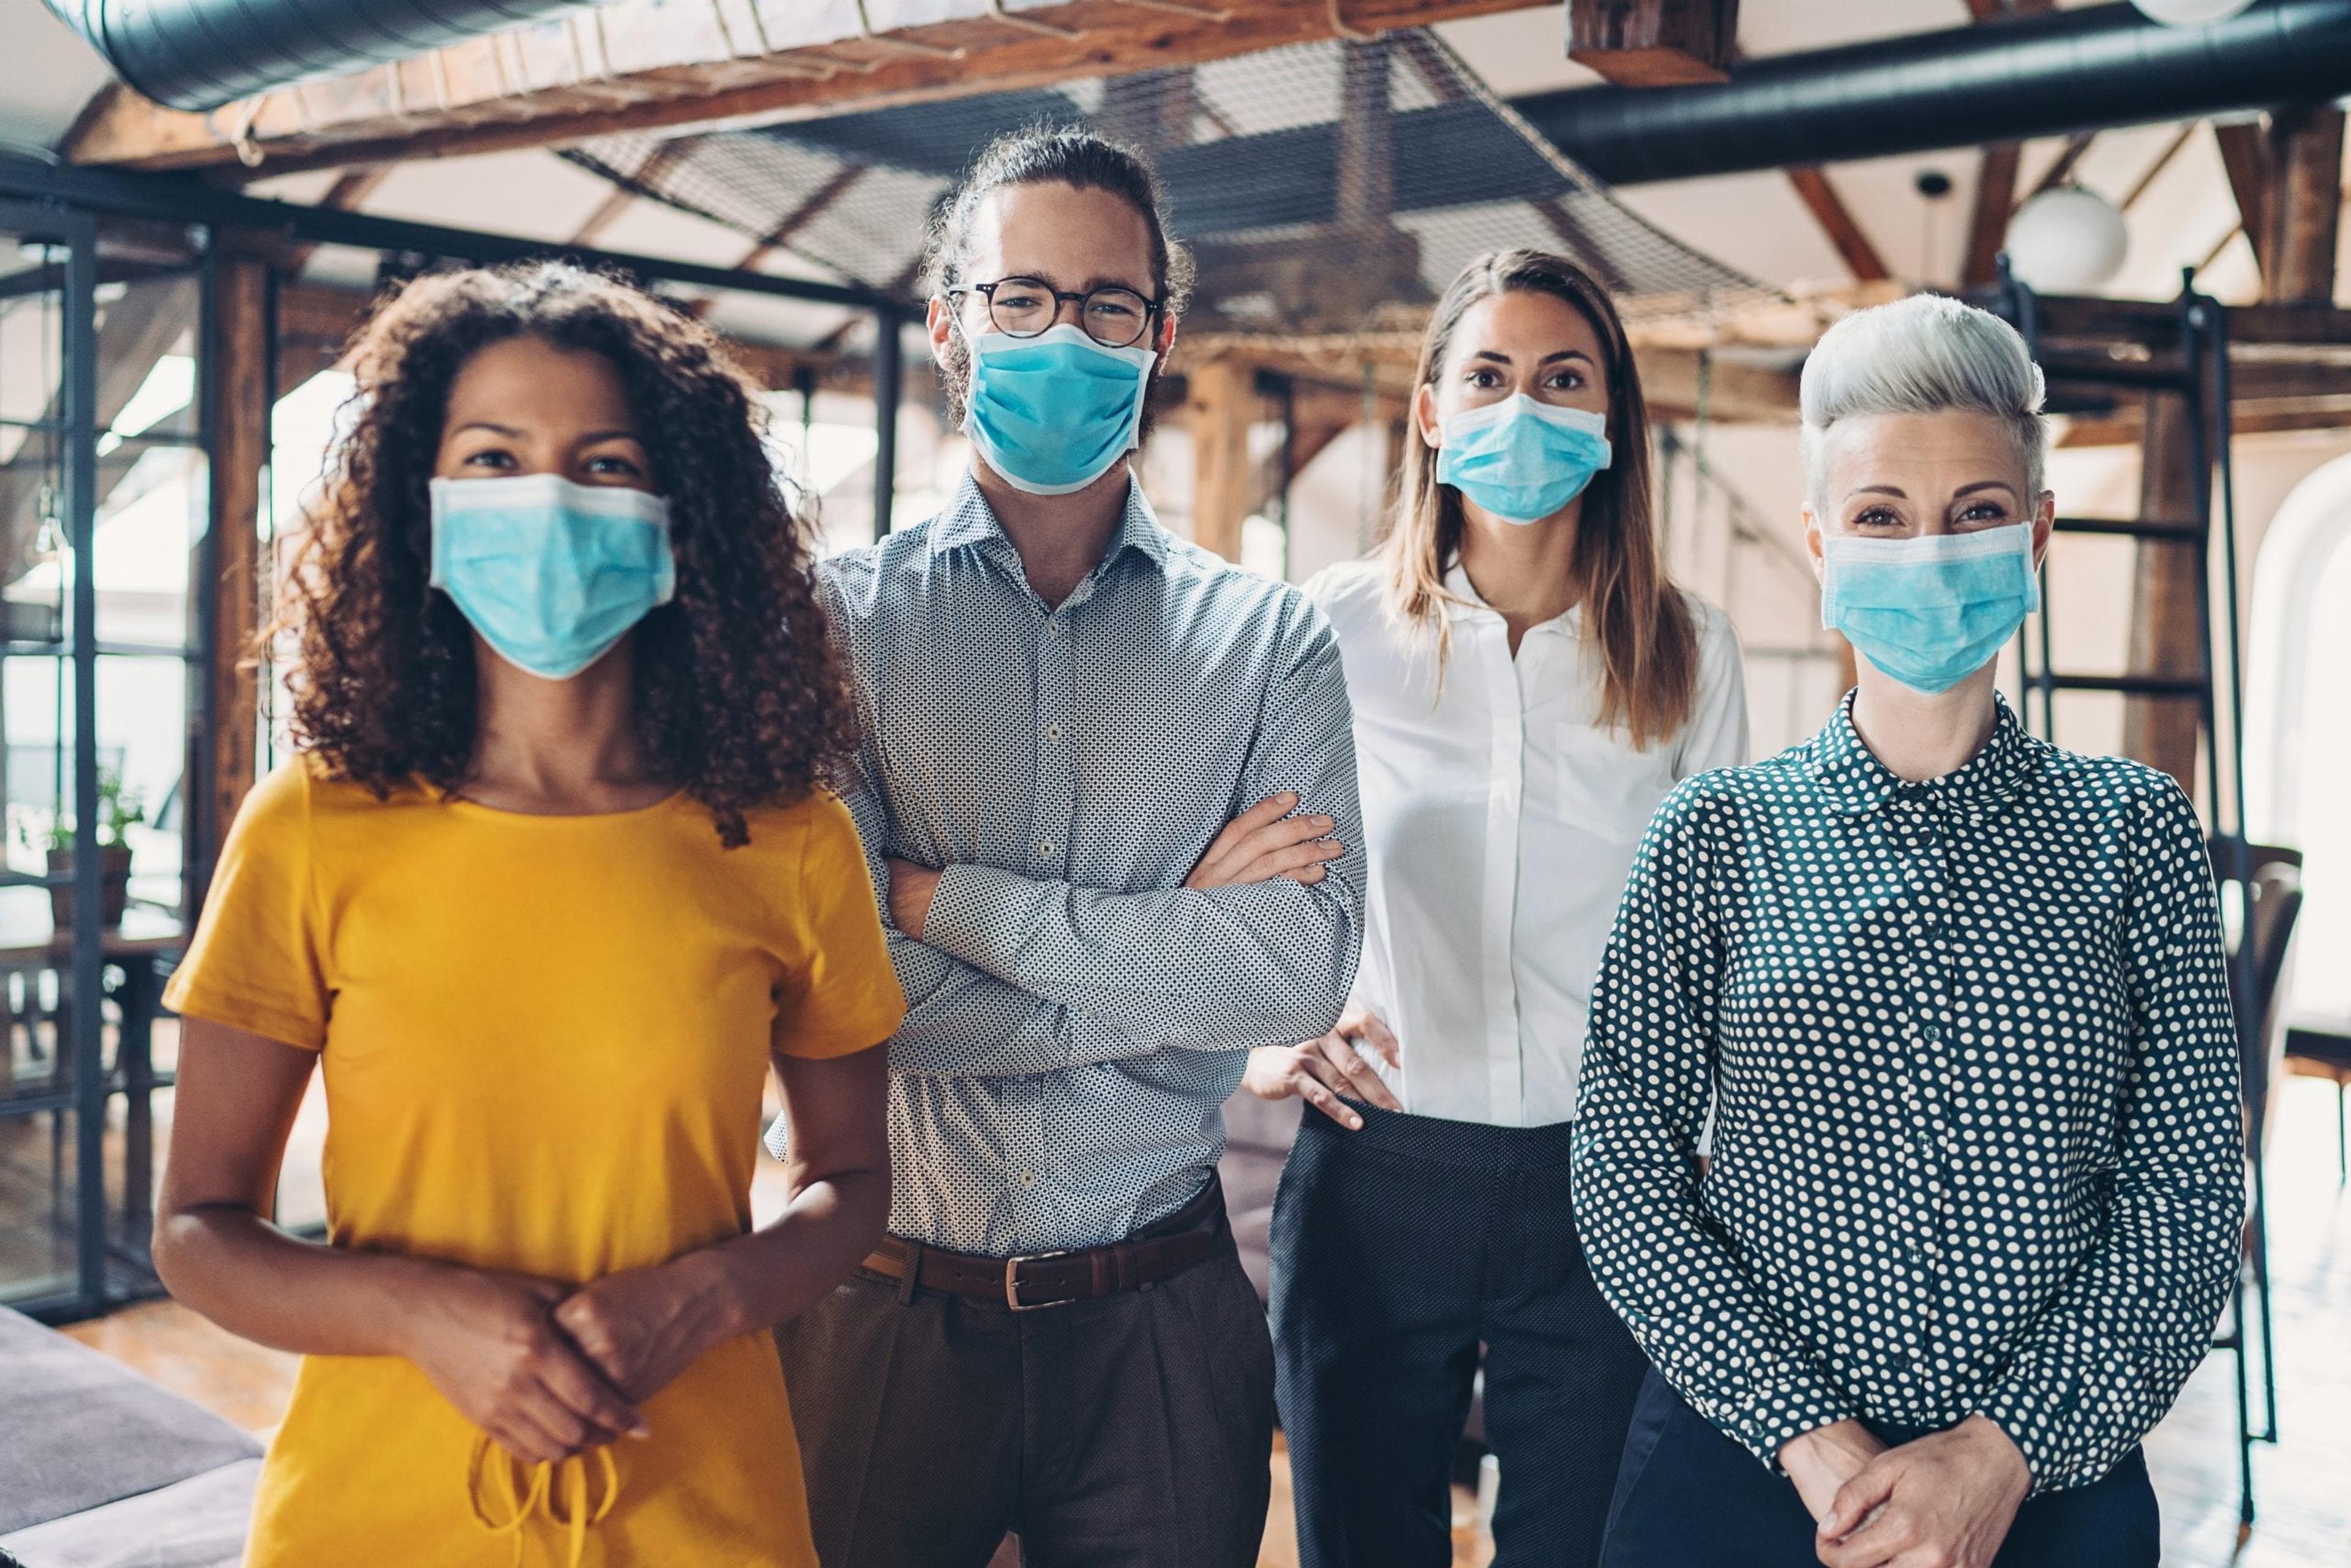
<point>1260,844</point>
<point>1944,1501</point>
<point>550,1370</point>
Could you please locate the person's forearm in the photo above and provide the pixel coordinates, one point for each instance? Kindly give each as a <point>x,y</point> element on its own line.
<point>259,1283</point>
<point>1281,955</point>
<point>779,1270</point>
<point>962,1022</point>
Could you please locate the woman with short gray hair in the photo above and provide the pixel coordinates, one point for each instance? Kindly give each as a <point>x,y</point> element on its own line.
<point>1957,999</point>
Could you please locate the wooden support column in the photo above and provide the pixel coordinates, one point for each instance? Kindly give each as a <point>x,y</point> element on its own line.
<point>238,383</point>
<point>2307,205</point>
<point>1220,398</point>
<point>2295,196</point>
<point>1653,43</point>
<point>2165,631</point>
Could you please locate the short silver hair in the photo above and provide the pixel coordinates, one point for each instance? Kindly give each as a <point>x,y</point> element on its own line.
<point>1925,354</point>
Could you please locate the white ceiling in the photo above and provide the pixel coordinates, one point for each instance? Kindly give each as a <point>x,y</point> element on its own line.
<point>50,74</point>
<point>1752,222</point>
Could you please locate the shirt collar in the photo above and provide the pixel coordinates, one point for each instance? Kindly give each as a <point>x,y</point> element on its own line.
<point>971,520</point>
<point>1854,780</point>
<point>1468,601</point>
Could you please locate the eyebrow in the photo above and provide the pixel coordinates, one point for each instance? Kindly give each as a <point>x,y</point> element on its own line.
<point>1099,280</point>
<point>1502,358</point>
<point>589,438</point>
<point>1896,492</point>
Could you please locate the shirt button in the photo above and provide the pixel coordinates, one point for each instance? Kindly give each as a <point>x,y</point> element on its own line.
<point>1053,732</point>
<point>1045,848</point>
<point>1052,628</point>
<point>1932,1034</point>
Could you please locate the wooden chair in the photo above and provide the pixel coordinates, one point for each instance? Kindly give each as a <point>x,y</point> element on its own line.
<point>2321,1049</point>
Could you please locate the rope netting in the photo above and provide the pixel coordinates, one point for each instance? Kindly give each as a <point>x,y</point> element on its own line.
<point>1327,186</point>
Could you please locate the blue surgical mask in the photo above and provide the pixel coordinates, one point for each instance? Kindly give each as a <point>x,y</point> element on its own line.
<point>1522,460</point>
<point>552,574</point>
<point>1929,611</point>
<point>1055,412</point>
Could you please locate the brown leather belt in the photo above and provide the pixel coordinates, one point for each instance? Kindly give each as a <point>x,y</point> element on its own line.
<point>1190,1235</point>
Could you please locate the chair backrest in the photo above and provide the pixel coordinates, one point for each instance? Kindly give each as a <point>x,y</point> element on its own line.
<point>2273,903</point>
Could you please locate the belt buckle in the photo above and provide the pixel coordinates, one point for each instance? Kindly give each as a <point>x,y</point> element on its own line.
<point>1012,1281</point>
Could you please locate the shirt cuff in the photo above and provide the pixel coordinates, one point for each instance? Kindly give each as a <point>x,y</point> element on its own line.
<point>2035,1409</point>
<point>1783,1402</point>
<point>978,915</point>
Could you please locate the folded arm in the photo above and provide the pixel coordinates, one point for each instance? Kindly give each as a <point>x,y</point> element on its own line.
<point>1196,968</point>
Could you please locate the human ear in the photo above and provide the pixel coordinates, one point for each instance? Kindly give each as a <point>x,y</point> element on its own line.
<point>939,319</point>
<point>2044,521</point>
<point>1424,415</point>
<point>1813,545</point>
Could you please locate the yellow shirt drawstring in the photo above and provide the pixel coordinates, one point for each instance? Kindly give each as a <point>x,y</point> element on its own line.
<point>574,1517</point>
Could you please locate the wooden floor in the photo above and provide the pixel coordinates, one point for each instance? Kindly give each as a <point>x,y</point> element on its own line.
<point>2303,1484</point>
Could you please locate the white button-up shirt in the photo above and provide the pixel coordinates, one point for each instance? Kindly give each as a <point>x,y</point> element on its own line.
<point>1502,820</point>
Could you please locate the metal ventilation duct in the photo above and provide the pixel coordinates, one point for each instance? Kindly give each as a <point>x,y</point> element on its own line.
<point>202,54</point>
<point>2045,75</point>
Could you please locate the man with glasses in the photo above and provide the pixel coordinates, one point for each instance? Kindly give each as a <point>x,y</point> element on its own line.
<point>1107,789</point>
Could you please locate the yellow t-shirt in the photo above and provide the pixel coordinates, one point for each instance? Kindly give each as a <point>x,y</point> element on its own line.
<point>543,1040</point>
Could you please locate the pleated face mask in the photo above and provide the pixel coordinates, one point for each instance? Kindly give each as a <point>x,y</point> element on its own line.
<point>1521,460</point>
<point>1054,412</point>
<point>551,573</point>
<point>1929,611</point>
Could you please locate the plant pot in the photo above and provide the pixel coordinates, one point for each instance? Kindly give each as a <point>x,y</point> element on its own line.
<point>113,880</point>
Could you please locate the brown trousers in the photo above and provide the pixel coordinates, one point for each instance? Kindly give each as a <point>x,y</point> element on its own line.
<point>1135,1431</point>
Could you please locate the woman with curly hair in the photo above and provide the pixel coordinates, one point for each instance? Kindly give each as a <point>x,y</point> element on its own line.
<point>548,885</point>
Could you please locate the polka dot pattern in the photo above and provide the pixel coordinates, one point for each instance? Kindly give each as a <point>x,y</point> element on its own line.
<point>1077,1017</point>
<point>1975,1072</point>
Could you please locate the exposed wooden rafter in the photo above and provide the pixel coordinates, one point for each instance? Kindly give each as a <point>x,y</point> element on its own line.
<point>1653,43</point>
<point>1836,221</point>
<point>2305,215</point>
<point>1995,201</point>
<point>2245,154</point>
<point>644,65</point>
<point>1995,205</point>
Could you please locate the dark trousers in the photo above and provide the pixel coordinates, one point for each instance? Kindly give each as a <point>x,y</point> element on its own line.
<point>1131,1431</point>
<point>1397,1251</point>
<point>1688,1495</point>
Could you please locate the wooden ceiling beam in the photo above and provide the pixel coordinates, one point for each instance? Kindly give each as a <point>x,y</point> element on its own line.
<point>1836,221</point>
<point>1996,179</point>
<point>1653,43</point>
<point>2245,154</point>
<point>2306,216</point>
<point>1995,205</point>
<point>644,65</point>
<point>2062,168</point>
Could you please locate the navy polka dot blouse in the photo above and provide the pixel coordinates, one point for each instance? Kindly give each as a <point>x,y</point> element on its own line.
<point>1974,1069</point>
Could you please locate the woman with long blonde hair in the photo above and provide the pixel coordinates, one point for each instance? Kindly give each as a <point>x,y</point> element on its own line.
<point>1527,685</point>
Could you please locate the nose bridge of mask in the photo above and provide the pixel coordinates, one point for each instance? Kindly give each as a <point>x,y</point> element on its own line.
<point>1935,571</point>
<point>1519,406</point>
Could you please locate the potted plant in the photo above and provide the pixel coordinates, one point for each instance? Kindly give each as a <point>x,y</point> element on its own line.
<point>120,810</point>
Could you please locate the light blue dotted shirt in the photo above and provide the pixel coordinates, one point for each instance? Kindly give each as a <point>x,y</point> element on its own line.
<point>1076,1016</point>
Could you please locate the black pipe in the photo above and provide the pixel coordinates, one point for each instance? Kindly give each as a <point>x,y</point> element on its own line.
<point>185,198</point>
<point>2045,75</point>
<point>202,54</point>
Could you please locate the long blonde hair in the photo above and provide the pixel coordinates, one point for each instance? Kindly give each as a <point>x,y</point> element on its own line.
<point>1632,612</point>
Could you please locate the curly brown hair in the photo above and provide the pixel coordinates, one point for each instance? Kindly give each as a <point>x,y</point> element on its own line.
<point>739,691</point>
